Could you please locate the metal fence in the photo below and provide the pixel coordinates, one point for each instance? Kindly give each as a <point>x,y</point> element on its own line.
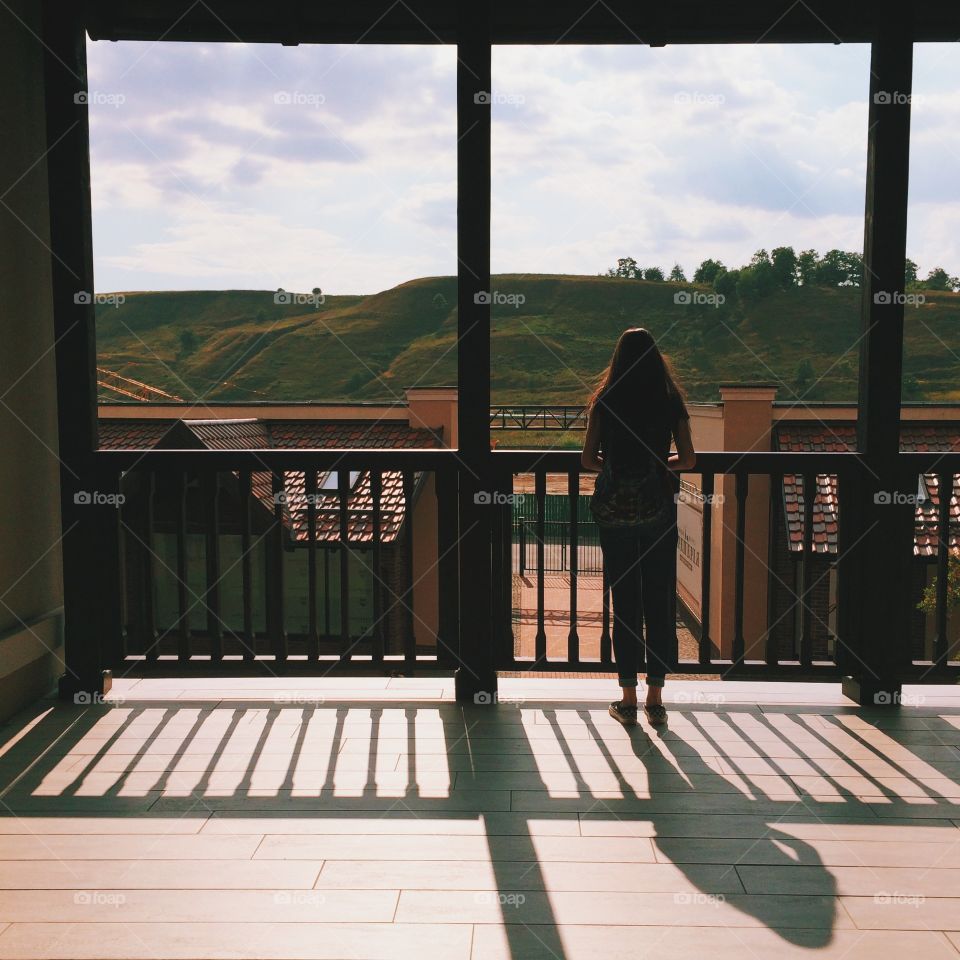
<point>556,535</point>
<point>556,548</point>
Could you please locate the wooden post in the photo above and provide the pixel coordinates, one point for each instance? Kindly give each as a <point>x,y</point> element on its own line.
<point>878,639</point>
<point>88,595</point>
<point>476,678</point>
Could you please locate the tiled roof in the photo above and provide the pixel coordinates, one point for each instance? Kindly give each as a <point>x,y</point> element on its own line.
<point>373,434</point>
<point>231,434</point>
<point>807,437</point>
<point>359,506</point>
<point>251,434</point>
<point>328,434</point>
<point>137,434</point>
<point>926,542</point>
<point>921,437</point>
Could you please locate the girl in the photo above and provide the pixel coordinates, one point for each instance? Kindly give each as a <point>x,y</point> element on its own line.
<point>634,413</point>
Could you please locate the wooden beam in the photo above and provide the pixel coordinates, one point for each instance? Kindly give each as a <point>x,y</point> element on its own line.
<point>878,639</point>
<point>88,556</point>
<point>475,677</point>
<point>563,21</point>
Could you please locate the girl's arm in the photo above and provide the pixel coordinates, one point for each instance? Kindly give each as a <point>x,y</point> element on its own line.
<point>686,456</point>
<point>590,458</point>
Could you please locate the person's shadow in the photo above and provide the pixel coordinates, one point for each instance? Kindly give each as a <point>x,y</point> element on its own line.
<point>700,845</point>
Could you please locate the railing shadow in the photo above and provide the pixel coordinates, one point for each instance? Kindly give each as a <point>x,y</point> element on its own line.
<point>715,790</point>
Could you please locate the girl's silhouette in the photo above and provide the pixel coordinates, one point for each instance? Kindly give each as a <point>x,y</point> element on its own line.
<point>634,413</point>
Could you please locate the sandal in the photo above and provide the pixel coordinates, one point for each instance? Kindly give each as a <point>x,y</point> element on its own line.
<point>656,713</point>
<point>627,715</point>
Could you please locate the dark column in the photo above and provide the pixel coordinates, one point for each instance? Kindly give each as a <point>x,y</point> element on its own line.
<point>90,601</point>
<point>878,642</point>
<point>475,676</point>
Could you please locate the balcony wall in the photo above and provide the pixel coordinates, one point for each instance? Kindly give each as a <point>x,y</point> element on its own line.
<point>30,569</point>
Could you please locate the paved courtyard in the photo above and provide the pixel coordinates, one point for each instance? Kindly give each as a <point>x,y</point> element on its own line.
<point>376,818</point>
<point>556,625</point>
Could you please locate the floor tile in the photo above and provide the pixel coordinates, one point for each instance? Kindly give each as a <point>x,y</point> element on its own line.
<point>684,909</point>
<point>233,941</point>
<point>493,942</point>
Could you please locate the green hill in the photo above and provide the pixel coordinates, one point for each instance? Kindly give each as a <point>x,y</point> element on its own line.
<point>547,348</point>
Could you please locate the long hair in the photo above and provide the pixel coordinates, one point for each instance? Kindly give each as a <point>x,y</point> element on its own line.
<point>639,382</point>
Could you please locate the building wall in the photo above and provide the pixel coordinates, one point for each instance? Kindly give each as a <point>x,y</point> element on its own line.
<point>436,409</point>
<point>742,422</point>
<point>784,586</point>
<point>30,569</point>
<point>426,582</point>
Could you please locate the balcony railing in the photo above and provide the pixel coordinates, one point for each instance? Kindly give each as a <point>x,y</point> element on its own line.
<point>282,561</point>
<point>316,561</point>
<point>739,475</point>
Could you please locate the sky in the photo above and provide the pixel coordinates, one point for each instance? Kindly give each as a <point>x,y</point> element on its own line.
<point>258,166</point>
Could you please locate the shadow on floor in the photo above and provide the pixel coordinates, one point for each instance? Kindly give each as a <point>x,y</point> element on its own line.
<point>713,791</point>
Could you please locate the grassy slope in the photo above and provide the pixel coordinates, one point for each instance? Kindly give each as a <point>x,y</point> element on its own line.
<point>548,349</point>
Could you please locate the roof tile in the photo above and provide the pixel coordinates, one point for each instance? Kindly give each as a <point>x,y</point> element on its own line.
<point>806,437</point>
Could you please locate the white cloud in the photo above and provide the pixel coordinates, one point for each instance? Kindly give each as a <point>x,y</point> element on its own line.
<point>203,177</point>
<point>252,251</point>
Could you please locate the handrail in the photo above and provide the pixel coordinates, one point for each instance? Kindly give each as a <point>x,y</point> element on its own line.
<point>727,461</point>
<point>930,461</point>
<point>412,458</point>
<point>515,460</point>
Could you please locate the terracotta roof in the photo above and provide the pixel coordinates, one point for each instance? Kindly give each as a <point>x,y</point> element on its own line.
<point>373,434</point>
<point>251,434</point>
<point>922,437</point>
<point>807,437</point>
<point>137,434</point>
<point>359,506</point>
<point>335,434</point>
<point>231,434</point>
<point>926,541</point>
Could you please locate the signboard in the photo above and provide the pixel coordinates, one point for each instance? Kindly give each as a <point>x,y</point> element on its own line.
<point>689,549</point>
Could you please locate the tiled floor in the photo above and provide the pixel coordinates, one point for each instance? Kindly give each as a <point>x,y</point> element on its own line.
<point>375,818</point>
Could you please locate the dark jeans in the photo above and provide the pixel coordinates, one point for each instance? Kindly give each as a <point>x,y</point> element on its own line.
<point>641,570</point>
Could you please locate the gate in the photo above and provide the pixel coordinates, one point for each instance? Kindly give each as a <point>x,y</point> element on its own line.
<point>557,543</point>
